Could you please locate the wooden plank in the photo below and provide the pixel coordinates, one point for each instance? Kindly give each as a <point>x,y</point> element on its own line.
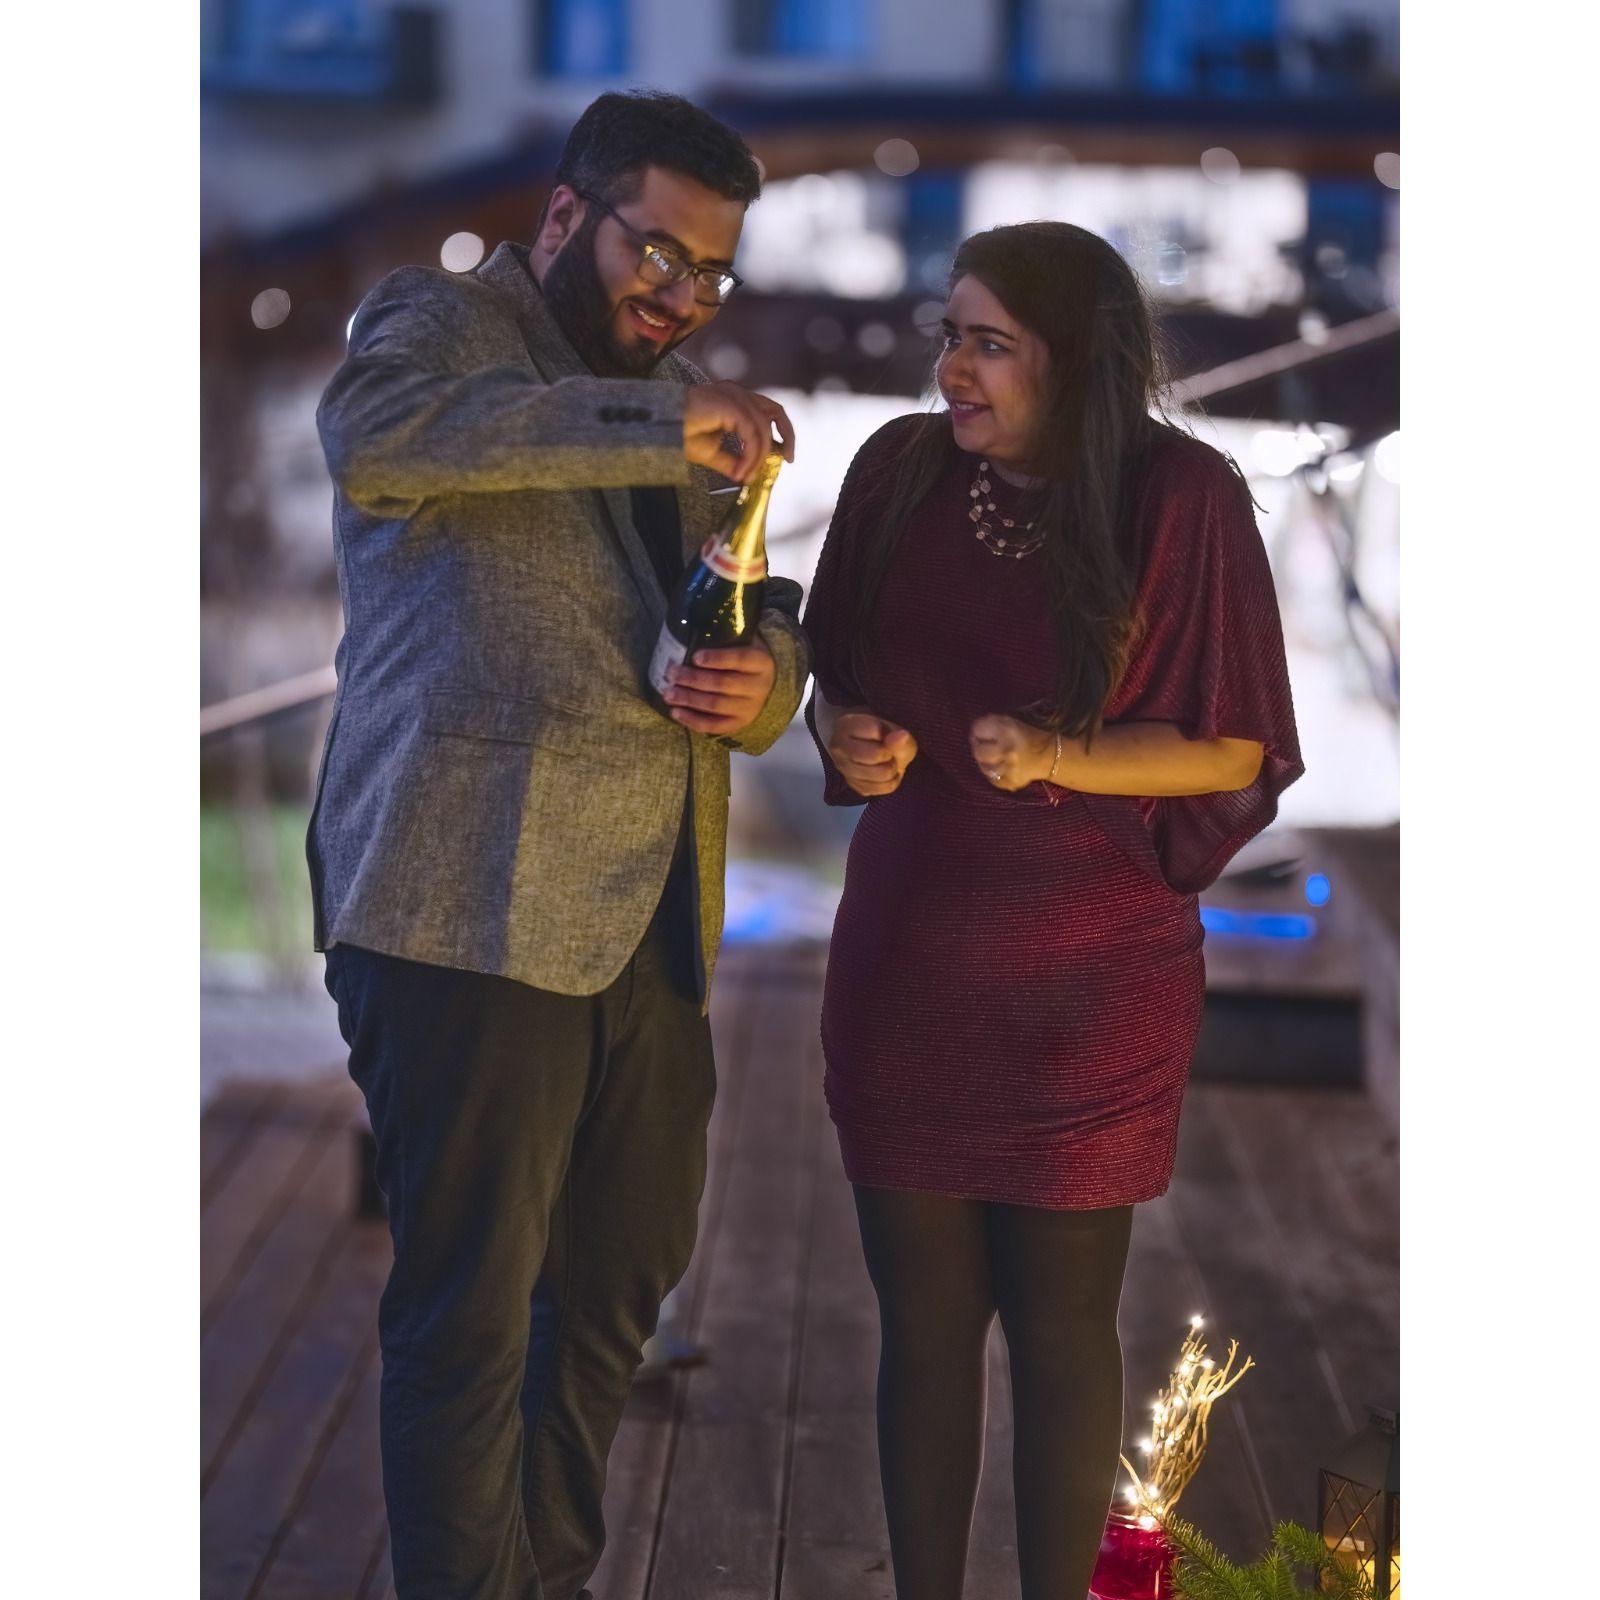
<point>273,1166</point>
<point>1343,1271</point>
<point>1289,1407</point>
<point>837,1531</point>
<point>1162,1289</point>
<point>327,1550</point>
<point>814,1570</point>
<point>250,1505</point>
<point>836,1497</point>
<point>719,1536</point>
<point>992,1555</point>
<point>642,1452</point>
<point>379,1584</point>
<point>251,1329</point>
<point>227,1128</point>
<point>1356,1156</point>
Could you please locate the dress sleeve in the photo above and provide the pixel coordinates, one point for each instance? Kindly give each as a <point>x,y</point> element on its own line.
<point>1209,657</point>
<point>826,619</point>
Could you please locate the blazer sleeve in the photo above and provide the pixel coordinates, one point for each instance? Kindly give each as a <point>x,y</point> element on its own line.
<point>436,396</point>
<point>781,633</point>
<point>1209,657</point>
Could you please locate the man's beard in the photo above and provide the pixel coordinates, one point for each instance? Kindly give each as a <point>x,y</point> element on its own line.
<point>584,310</point>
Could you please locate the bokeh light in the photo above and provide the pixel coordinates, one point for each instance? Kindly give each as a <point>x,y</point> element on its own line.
<point>1387,167</point>
<point>1386,458</point>
<point>874,266</point>
<point>1220,165</point>
<point>728,362</point>
<point>824,334</point>
<point>876,339</point>
<point>1313,327</point>
<point>270,308</point>
<point>1279,452</point>
<point>461,252</point>
<point>1319,891</point>
<point>897,157</point>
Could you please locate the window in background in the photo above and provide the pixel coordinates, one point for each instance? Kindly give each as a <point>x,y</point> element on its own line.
<point>580,38</point>
<point>349,51</point>
<point>834,29</point>
<point>270,29</point>
<point>1069,43</point>
<point>840,232</point>
<point>1230,244</point>
<point>1224,47</point>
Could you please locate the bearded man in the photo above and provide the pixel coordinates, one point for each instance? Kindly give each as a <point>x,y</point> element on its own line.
<point>516,851</point>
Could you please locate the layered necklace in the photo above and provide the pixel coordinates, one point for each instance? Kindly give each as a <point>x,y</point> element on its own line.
<point>1012,543</point>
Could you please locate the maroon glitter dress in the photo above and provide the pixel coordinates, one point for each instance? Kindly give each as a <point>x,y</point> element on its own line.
<point>1015,980</point>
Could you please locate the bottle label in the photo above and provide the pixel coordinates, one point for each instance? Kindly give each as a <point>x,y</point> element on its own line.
<point>668,653</point>
<point>726,564</point>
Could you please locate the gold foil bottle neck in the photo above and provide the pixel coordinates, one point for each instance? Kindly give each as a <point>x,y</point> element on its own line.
<point>746,539</point>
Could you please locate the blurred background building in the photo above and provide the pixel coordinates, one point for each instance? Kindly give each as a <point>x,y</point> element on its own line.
<point>1243,154</point>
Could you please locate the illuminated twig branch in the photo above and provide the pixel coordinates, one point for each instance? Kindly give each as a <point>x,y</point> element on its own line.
<point>1179,1423</point>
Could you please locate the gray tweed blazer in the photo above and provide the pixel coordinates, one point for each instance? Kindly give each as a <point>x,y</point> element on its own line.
<point>497,791</point>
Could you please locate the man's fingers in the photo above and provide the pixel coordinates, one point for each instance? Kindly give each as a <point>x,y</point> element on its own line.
<point>724,704</point>
<point>748,459</point>
<point>779,419</point>
<point>718,680</point>
<point>705,722</point>
<point>750,658</point>
<point>717,414</point>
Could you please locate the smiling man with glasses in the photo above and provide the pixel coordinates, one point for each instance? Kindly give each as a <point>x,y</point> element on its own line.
<point>516,856</point>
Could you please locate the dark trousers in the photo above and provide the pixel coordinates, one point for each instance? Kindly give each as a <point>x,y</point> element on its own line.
<point>543,1158</point>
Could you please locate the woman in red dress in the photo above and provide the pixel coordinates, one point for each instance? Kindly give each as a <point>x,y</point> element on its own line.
<point>1048,659</point>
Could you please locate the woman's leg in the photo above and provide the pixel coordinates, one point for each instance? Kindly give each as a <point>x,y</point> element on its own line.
<point>927,1255</point>
<point>1057,1279</point>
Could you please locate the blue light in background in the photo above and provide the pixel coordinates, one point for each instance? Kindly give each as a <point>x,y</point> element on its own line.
<point>1258,924</point>
<point>1318,890</point>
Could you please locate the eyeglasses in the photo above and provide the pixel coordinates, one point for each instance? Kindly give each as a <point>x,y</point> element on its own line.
<point>661,265</point>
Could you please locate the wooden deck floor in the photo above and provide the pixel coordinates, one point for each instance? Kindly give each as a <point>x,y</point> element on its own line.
<point>754,1476</point>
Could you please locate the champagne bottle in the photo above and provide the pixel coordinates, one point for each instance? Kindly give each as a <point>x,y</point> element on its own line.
<point>717,601</point>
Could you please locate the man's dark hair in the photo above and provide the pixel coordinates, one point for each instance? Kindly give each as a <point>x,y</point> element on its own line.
<point>620,135</point>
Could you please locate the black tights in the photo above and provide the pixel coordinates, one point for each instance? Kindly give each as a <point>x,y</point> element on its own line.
<point>942,1268</point>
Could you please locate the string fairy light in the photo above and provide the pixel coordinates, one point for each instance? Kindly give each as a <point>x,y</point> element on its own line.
<point>1181,1414</point>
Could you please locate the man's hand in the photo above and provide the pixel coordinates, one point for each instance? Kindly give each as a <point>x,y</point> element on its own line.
<point>871,753</point>
<point>713,411</point>
<point>722,691</point>
<point>1011,754</point>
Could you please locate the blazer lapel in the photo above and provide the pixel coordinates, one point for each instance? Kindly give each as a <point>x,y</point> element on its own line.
<point>554,358</point>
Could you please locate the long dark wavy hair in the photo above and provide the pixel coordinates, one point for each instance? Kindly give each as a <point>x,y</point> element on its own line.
<point>1103,380</point>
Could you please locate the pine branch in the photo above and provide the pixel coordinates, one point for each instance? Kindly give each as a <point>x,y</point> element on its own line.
<point>1308,1549</point>
<point>1202,1572</point>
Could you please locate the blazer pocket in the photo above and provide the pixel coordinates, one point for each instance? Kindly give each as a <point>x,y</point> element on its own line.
<point>505,718</point>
